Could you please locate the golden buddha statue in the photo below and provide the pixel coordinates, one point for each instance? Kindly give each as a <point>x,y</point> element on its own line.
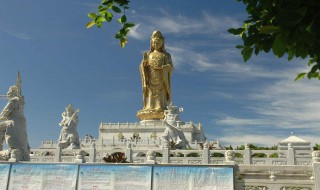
<point>155,69</point>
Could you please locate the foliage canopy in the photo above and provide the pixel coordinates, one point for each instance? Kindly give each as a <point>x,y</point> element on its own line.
<point>287,27</point>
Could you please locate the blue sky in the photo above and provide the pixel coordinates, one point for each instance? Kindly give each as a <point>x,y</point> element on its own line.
<point>62,62</point>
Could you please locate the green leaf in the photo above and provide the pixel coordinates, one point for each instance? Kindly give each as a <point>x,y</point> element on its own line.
<point>102,10</point>
<point>257,50</point>
<point>99,24</point>
<point>236,31</point>
<point>123,19</point>
<point>116,9</point>
<point>313,75</point>
<point>239,46</point>
<point>90,24</point>
<point>310,27</point>
<point>92,15</point>
<point>123,42</point>
<point>290,54</point>
<point>106,2</point>
<point>108,16</point>
<point>279,46</point>
<point>268,29</point>
<point>246,53</point>
<point>300,76</point>
<point>129,25</point>
<point>311,61</point>
<point>302,11</point>
<point>100,19</point>
<point>314,68</point>
<point>118,36</point>
<point>122,2</point>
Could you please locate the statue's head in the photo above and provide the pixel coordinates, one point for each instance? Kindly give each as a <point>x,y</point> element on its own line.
<point>157,41</point>
<point>13,91</point>
<point>70,109</point>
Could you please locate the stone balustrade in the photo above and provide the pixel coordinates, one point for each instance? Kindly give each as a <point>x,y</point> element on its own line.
<point>254,169</point>
<point>239,157</point>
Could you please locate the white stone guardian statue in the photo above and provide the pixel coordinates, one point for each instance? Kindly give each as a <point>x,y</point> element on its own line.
<point>13,127</point>
<point>69,137</point>
<point>173,132</point>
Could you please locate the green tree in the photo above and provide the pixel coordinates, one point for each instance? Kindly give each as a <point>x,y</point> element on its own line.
<point>316,146</point>
<point>260,155</point>
<point>287,27</point>
<point>106,12</point>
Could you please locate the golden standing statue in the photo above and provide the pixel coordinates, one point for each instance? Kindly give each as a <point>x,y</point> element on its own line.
<point>155,69</point>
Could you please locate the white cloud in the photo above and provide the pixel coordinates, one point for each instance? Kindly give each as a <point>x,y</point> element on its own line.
<point>197,61</point>
<point>18,35</point>
<point>287,100</point>
<point>223,61</point>
<point>241,139</point>
<point>279,106</point>
<point>240,121</point>
<point>262,140</point>
<point>182,25</point>
<point>220,23</point>
<point>135,34</point>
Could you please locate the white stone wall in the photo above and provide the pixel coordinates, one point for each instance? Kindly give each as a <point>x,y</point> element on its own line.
<point>191,131</point>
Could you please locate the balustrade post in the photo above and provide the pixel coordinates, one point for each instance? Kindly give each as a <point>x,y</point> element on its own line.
<point>15,155</point>
<point>57,156</point>
<point>206,154</point>
<point>80,157</point>
<point>247,155</point>
<point>229,156</point>
<point>92,154</point>
<point>291,155</point>
<point>165,153</point>
<point>129,153</point>
<point>151,157</point>
<point>316,168</point>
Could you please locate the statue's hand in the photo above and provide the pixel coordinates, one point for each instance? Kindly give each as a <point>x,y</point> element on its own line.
<point>166,66</point>
<point>9,123</point>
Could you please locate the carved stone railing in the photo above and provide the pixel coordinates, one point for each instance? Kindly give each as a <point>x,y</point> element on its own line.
<point>274,169</point>
<point>143,125</point>
<point>240,157</point>
<point>253,169</point>
<point>274,177</point>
